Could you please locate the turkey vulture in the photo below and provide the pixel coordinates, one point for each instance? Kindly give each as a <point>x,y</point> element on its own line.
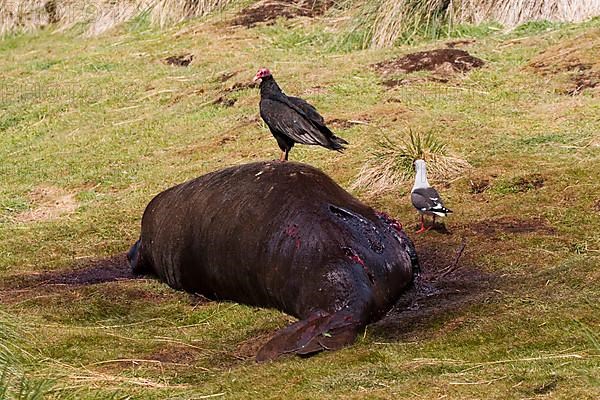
<point>425,198</point>
<point>291,119</point>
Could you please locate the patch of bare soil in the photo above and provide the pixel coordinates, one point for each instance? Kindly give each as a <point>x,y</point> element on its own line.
<point>50,203</point>
<point>583,81</point>
<point>268,11</point>
<point>448,286</point>
<point>577,58</point>
<point>597,206</point>
<point>441,61</point>
<point>511,225</point>
<point>241,86</point>
<point>224,101</point>
<point>182,60</point>
<point>529,182</point>
<point>479,185</point>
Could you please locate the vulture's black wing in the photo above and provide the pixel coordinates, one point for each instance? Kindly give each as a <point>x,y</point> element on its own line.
<point>287,121</point>
<point>308,109</point>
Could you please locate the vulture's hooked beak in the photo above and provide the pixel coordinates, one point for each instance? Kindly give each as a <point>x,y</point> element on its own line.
<point>256,78</point>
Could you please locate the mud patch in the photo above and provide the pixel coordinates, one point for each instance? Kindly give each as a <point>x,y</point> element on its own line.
<point>442,61</point>
<point>50,203</point>
<point>267,11</point>
<point>448,284</point>
<point>182,60</point>
<point>576,59</point>
<point>511,225</point>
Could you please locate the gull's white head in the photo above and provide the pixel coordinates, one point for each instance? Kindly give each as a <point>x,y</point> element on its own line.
<point>421,176</point>
<point>419,164</point>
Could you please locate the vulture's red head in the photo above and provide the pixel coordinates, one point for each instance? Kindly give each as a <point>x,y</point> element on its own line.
<point>262,73</point>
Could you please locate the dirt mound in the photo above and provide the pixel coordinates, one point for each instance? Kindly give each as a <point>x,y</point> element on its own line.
<point>50,203</point>
<point>269,10</point>
<point>443,61</point>
<point>479,185</point>
<point>576,58</point>
<point>182,60</point>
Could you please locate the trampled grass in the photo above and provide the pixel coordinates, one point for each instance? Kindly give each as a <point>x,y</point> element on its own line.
<point>106,124</point>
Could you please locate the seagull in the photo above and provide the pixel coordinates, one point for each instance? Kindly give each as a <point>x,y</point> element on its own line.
<point>425,198</point>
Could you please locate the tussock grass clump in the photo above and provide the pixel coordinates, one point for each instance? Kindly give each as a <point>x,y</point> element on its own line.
<point>99,15</point>
<point>391,164</point>
<point>381,23</point>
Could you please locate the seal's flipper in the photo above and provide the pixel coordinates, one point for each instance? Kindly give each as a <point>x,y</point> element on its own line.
<point>320,331</point>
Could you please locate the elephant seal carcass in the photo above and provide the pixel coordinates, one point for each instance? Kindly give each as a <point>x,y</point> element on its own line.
<point>282,235</point>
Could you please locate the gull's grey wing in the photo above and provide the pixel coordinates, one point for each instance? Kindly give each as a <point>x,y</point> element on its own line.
<point>428,200</point>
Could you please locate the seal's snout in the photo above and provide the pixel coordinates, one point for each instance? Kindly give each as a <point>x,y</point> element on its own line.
<point>133,256</point>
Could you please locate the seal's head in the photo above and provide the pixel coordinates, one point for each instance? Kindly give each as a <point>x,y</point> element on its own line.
<point>261,74</point>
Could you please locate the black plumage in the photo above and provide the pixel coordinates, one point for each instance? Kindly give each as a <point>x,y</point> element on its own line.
<point>291,119</point>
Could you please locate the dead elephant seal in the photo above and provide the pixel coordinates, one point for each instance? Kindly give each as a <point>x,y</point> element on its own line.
<point>280,235</point>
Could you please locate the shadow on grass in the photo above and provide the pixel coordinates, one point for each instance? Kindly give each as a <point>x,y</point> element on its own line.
<point>89,272</point>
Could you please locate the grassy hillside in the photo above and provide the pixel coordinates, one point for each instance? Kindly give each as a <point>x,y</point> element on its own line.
<point>91,129</point>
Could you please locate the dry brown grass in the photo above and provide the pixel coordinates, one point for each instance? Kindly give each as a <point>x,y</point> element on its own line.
<point>99,15</point>
<point>511,13</point>
<point>390,165</point>
<point>393,18</point>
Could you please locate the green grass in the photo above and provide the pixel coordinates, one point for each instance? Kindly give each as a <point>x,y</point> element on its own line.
<point>105,122</point>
